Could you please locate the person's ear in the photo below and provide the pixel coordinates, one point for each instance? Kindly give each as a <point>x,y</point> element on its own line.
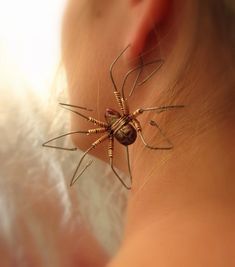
<point>146,15</point>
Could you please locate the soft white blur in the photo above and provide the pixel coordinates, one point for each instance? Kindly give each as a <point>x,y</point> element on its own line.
<point>29,40</point>
<point>39,213</point>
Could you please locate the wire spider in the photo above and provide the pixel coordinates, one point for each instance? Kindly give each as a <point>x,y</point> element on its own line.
<point>123,125</point>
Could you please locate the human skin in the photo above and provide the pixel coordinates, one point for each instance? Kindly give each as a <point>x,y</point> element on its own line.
<point>181,206</point>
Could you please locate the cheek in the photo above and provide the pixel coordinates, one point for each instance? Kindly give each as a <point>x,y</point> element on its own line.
<point>87,68</point>
<point>89,86</point>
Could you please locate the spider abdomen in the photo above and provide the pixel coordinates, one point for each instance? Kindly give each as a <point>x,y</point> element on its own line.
<point>122,130</point>
<point>126,135</point>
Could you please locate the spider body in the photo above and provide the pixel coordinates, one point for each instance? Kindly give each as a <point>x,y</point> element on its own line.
<point>120,127</point>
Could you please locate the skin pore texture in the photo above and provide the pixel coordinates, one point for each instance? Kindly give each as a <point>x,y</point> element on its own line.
<point>181,209</point>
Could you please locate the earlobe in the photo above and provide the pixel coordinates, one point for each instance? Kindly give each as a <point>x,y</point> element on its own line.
<point>146,16</point>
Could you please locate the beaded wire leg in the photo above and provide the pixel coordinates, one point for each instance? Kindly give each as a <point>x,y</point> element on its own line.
<point>140,111</point>
<point>138,127</point>
<point>102,129</point>
<point>97,142</point>
<point>122,101</point>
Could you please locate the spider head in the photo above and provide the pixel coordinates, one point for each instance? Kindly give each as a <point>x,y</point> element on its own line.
<point>111,115</point>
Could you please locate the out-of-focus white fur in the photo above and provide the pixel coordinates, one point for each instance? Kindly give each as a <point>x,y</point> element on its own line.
<point>39,212</point>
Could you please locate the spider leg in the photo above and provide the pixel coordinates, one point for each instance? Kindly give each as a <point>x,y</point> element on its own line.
<point>73,106</point>
<point>128,162</point>
<point>138,128</point>
<point>96,143</point>
<point>140,68</point>
<point>163,108</point>
<point>110,152</point>
<point>88,132</point>
<point>117,94</point>
<point>121,97</point>
<point>63,135</point>
<point>91,119</point>
<point>140,111</point>
<point>152,123</point>
<point>153,72</point>
<point>113,64</point>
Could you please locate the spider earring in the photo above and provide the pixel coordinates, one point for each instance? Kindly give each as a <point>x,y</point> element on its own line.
<point>122,126</point>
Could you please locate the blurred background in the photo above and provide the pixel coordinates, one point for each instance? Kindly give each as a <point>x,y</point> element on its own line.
<point>40,215</point>
<point>30,42</point>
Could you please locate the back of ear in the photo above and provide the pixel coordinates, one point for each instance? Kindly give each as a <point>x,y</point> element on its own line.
<point>146,15</point>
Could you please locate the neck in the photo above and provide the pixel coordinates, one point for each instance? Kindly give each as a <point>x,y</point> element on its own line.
<point>199,171</point>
